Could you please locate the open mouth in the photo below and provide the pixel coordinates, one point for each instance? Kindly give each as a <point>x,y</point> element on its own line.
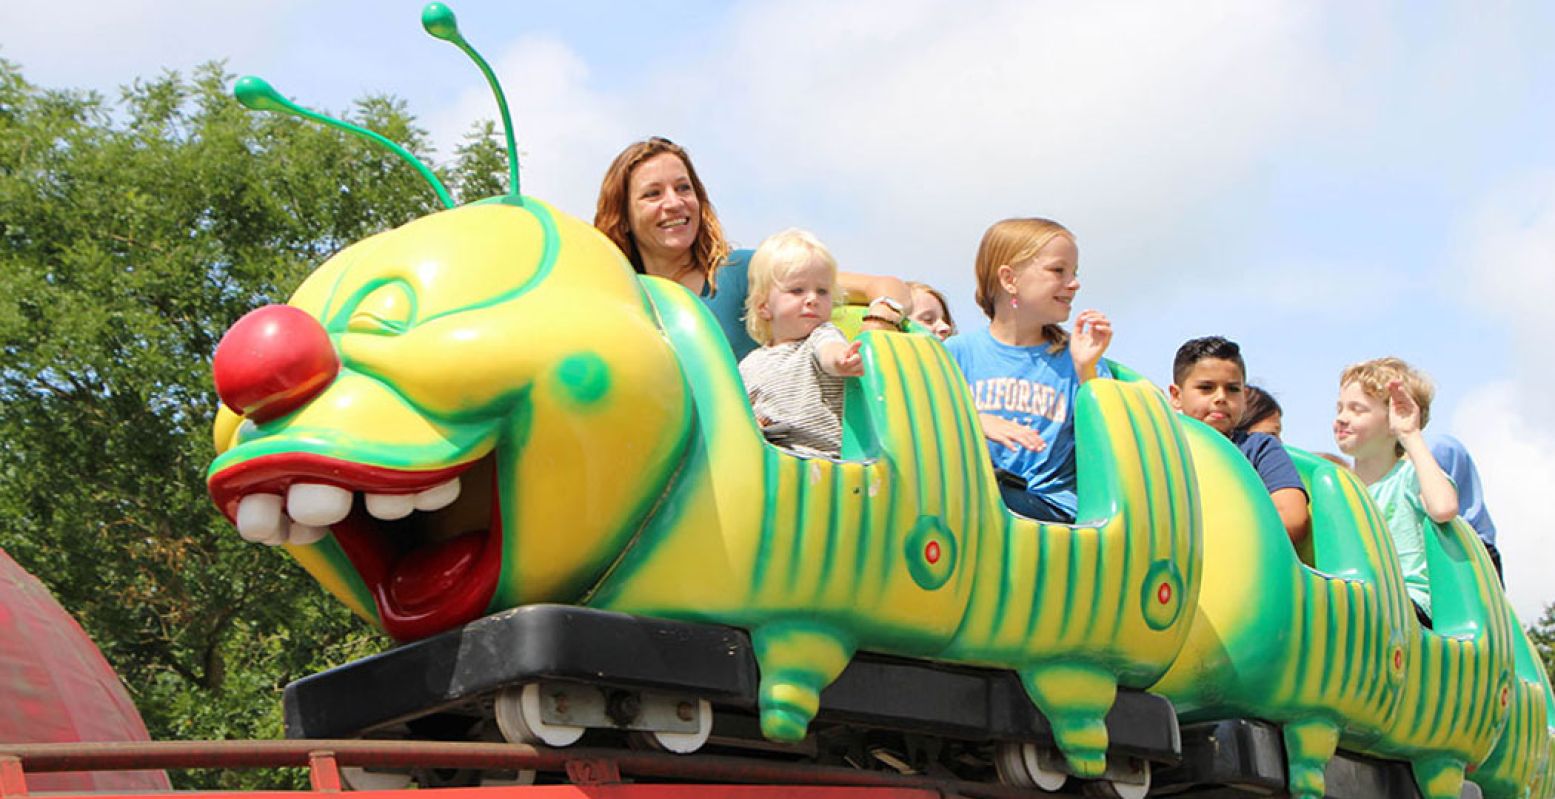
<point>427,544</point>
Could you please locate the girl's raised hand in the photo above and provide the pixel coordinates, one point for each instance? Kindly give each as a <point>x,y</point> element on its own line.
<point>1403,412</point>
<point>1092,334</point>
<point>1011,434</point>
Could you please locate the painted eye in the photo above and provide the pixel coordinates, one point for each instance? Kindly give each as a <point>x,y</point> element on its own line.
<point>388,310</point>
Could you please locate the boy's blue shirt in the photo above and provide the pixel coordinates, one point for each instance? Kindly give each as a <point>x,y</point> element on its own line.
<point>1270,460</point>
<point>1454,459</point>
<point>1036,388</point>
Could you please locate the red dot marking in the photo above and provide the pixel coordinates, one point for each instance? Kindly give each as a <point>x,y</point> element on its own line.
<point>1164,593</point>
<point>1398,658</point>
<point>931,553</point>
<point>1506,696</point>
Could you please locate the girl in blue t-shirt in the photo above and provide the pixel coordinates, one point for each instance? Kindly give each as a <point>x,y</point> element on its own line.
<point>1024,369</point>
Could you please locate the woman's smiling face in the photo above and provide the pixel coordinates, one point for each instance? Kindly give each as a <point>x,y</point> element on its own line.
<point>662,206</point>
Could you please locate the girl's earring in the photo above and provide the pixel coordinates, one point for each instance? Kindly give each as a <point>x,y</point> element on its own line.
<point>1014,303</point>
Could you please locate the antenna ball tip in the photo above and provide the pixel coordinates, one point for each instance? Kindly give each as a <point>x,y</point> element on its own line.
<point>438,20</point>
<point>257,94</point>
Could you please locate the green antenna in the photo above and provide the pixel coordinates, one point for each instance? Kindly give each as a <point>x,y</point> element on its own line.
<point>258,95</point>
<point>439,21</point>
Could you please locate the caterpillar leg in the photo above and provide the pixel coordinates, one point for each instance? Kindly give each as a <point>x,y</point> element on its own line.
<point>1075,698</point>
<point>1439,777</point>
<point>797,659</point>
<point>1309,745</point>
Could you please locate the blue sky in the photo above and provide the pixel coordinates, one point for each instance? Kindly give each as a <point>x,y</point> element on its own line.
<point>1324,183</point>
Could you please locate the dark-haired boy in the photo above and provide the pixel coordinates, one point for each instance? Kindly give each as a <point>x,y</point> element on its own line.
<point>1208,378</point>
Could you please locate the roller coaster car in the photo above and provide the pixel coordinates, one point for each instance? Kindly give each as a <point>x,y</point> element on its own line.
<point>486,410</point>
<point>1331,651</point>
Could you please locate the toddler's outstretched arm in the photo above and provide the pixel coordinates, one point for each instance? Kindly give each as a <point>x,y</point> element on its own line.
<point>842,360</point>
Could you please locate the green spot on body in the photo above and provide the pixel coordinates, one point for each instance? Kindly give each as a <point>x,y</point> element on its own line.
<point>1160,598</point>
<point>583,378</point>
<point>930,553</point>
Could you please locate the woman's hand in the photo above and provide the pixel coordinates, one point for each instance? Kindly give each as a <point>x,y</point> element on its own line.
<point>861,289</point>
<point>1011,434</point>
<point>1092,334</point>
<point>1403,412</point>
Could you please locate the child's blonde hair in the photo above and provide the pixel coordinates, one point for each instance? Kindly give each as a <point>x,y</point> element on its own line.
<point>1373,377</point>
<point>1007,243</point>
<point>777,258</point>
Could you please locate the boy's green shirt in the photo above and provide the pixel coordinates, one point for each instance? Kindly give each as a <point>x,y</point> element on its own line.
<point>1397,495</point>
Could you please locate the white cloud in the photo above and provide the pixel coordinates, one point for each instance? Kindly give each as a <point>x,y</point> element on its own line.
<point>923,122</point>
<point>78,43</point>
<point>567,131</point>
<point>1504,267</point>
<point>1515,454</point>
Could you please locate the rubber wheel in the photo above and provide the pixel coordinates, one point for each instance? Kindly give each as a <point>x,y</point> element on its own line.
<point>518,717</point>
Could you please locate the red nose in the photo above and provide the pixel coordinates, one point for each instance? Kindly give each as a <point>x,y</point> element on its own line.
<point>272,361</point>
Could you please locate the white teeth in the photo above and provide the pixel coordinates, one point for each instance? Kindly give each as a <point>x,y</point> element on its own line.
<point>304,515</point>
<point>259,518</point>
<point>302,534</point>
<point>438,497</point>
<point>317,505</point>
<point>390,506</point>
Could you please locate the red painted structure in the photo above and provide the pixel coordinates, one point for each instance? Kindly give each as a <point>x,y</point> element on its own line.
<point>594,773</point>
<point>55,686</point>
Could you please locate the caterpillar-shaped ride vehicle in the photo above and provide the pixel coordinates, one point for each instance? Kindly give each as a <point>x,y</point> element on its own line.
<point>1333,652</point>
<point>486,435</point>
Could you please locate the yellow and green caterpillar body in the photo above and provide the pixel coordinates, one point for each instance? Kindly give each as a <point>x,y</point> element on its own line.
<point>1334,652</point>
<point>610,459</point>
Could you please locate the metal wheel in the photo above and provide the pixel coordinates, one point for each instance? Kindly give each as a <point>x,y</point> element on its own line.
<point>684,743</point>
<point>358,778</point>
<point>1025,765</point>
<point>680,743</point>
<point>518,716</point>
<point>1135,785</point>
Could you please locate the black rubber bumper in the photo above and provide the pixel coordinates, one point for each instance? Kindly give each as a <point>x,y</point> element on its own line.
<point>1243,758</point>
<point>559,642</point>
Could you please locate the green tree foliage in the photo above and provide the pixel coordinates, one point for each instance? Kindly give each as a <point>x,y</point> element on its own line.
<point>132,234</point>
<point>1542,634</point>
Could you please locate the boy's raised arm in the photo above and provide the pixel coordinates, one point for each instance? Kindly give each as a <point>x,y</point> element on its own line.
<point>1437,493</point>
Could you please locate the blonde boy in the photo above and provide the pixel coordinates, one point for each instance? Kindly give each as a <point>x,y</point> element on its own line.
<point>794,379</point>
<point>1383,406</point>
